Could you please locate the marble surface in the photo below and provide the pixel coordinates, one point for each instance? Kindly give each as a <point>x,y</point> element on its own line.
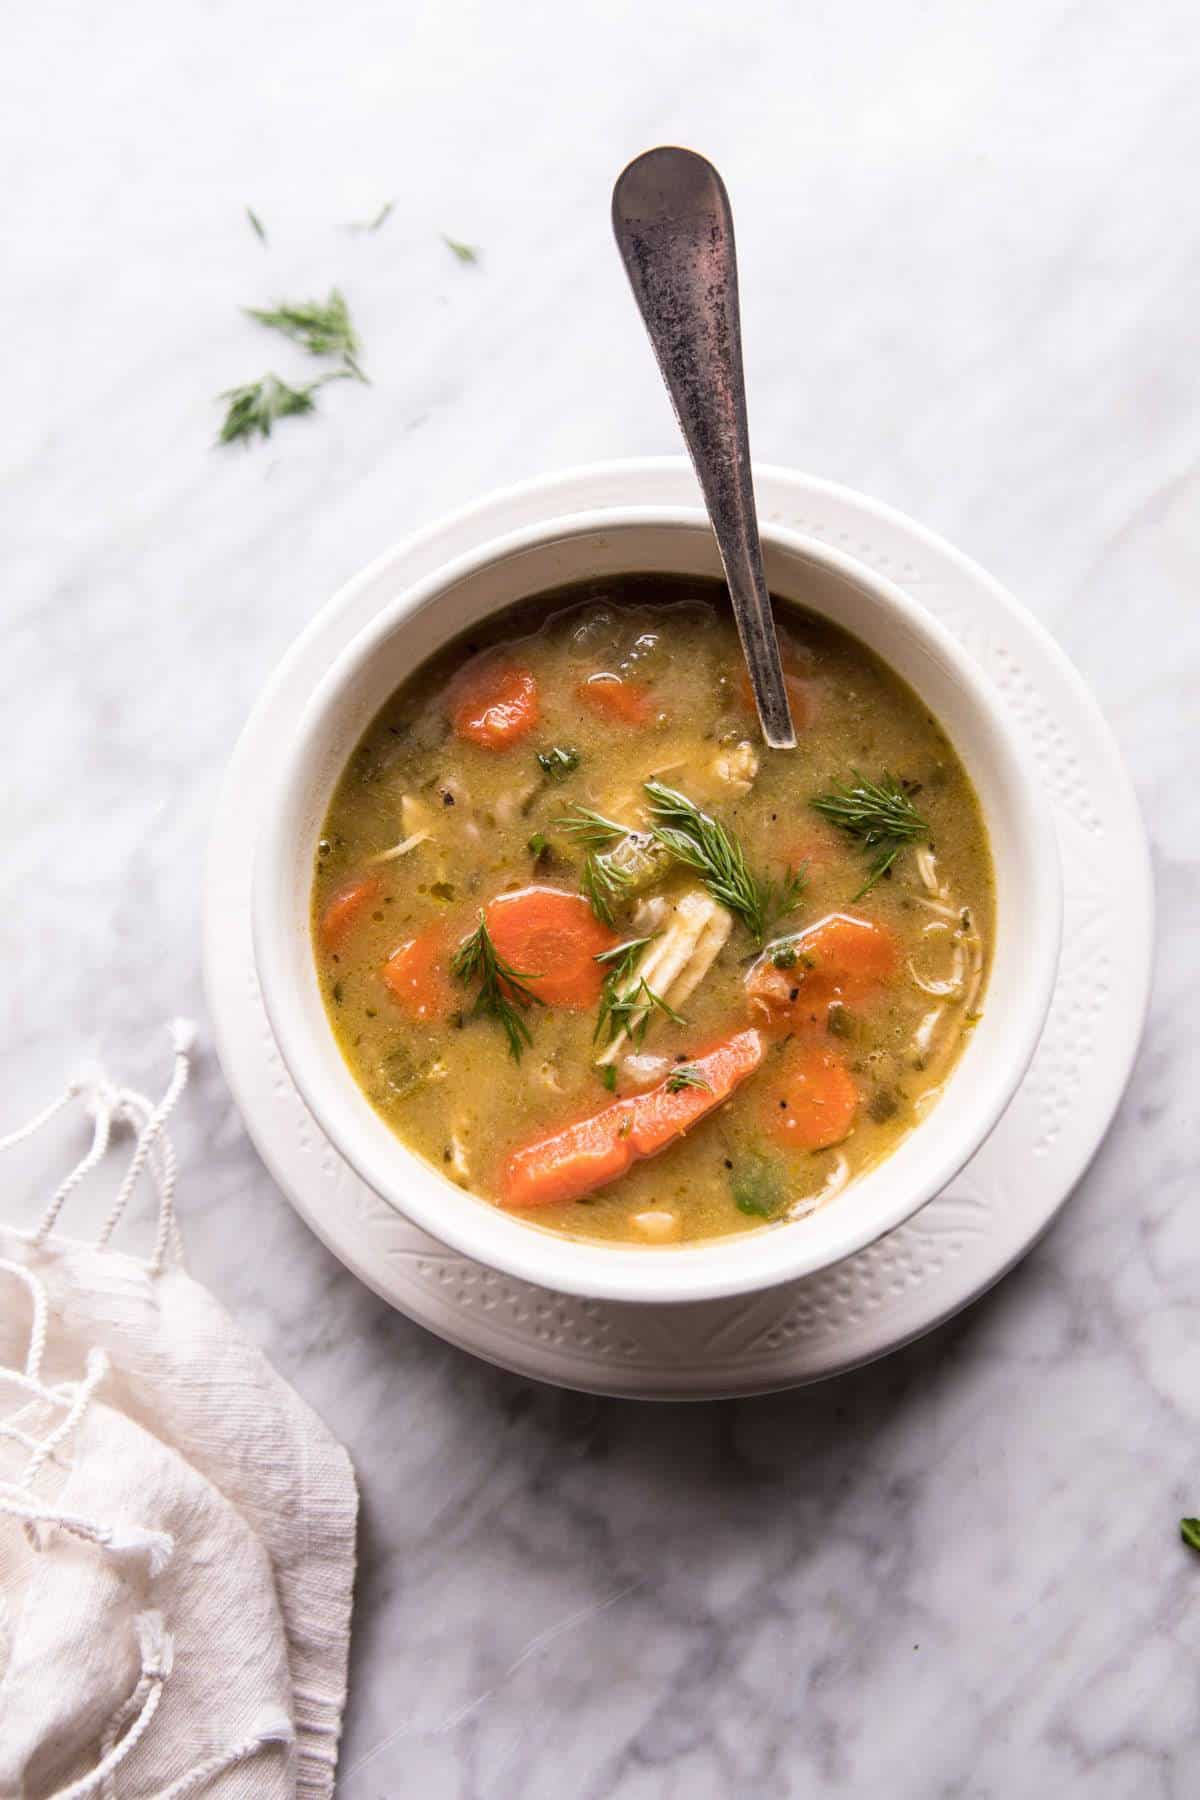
<point>970,266</point>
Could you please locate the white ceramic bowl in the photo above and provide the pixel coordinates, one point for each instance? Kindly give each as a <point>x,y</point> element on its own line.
<point>1028,903</point>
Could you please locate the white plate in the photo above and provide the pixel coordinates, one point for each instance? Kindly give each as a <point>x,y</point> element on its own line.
<point>908,1282</point>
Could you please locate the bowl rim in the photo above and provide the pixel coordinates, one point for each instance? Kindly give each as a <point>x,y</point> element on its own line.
<point>634,1273</point>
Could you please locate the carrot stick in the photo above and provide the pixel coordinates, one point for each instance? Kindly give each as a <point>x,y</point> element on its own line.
<point>345,907</point>
<point>598,1149</point>
<point>587,1155</point>
<point>417,976</point>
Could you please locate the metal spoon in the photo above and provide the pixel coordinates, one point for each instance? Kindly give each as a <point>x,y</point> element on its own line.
<point>674,230</point>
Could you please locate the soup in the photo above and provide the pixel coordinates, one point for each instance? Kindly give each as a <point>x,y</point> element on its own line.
<point>605,960</point>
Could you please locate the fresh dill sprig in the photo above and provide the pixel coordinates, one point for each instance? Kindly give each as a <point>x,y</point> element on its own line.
<point>255,406</point>
<point>603,882</point>
<point>321,328</point>
<point>779,898</point>
<point>1189,1531</point>
<point>591,829</point>
<point>502,989</point>
<point>623,956</point>
<point>604,885</point>
<point>687,1076</point>
<point>256,225</point>
<point>619,1011</point>
<point>381,218</point>
<point>879,814</point>
<point>703,843</point>
<point>631,1012</point>
<point>466,253</point>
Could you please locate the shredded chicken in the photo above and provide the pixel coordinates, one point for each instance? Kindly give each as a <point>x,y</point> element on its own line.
<point>940,902</point>
<point>939,908</point>
<point>959,990</point>
<point>402,848</point>
<point>420,824</point>
<point>657,1227</point>
<point>458,1161</point>
<point>642,1071</point>
<point>511,806</point>
<point>974,945</point>
<point>923,1036</point>
<point>709,945</point>
<point>709,777</point>
<point>676,960</point>
<point>736,766</point>
<point>650,914</point>
<point>417,817</point>
<point>952,983</point>
<point>927,869</point>
<point>932,1041</point>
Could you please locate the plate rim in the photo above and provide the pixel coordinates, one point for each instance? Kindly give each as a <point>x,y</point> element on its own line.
<point>493,513</point>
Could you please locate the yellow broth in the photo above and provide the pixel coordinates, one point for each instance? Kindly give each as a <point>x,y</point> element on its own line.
<point>486,821</point>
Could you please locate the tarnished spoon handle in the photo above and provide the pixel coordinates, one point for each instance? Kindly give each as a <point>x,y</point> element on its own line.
<point>674,230</point>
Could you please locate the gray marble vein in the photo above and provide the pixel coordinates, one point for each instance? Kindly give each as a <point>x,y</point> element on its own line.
<point>971,262</point>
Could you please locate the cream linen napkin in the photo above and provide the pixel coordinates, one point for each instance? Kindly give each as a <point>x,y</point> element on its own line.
<point>176,1526</point>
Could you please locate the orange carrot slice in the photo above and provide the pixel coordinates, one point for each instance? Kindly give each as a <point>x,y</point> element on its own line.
<point>417,976</point>
<point>623,702</point>
<point>599,1149</point>
<point>494,706</point>
<point>812,1101</point>
<point>854,956</point>
<point>345,907</point>
<point>842,958</point>
<point>553,938</point>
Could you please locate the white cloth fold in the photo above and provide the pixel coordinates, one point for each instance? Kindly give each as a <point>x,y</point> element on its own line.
<point>176,1526</point>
